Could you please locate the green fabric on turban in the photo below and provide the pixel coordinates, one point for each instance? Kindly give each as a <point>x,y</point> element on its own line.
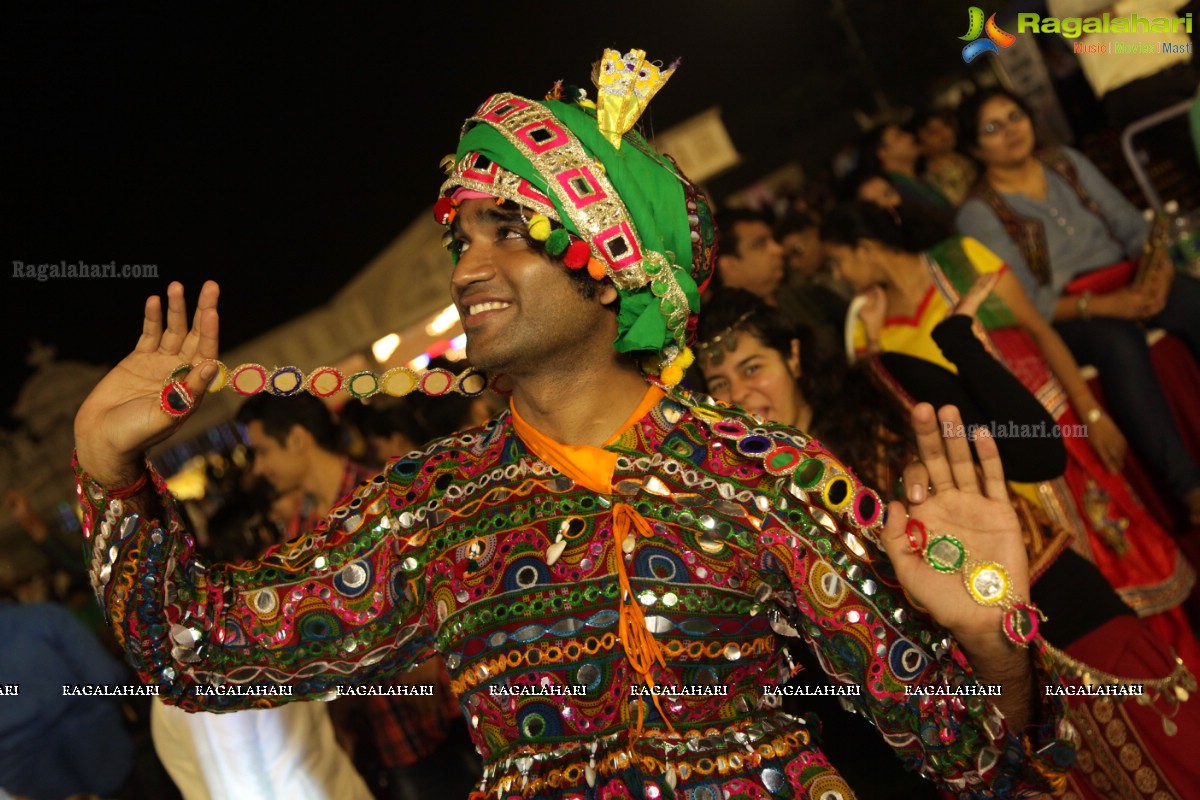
<point>650,188</point>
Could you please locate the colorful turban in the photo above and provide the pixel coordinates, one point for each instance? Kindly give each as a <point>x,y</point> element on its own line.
<point>646,227</point>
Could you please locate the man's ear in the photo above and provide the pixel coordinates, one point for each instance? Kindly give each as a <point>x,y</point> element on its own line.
<point>608,294</point>
<point>298,438</point>
<point>725,265</point>
<point>793,361</point>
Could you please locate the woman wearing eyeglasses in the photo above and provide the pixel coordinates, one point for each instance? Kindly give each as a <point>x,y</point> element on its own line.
<point>1074,242</point>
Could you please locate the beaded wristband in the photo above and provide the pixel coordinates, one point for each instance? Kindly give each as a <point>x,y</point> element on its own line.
<point>119,493</point>
<point>251,379</point>
<point>987,582</point>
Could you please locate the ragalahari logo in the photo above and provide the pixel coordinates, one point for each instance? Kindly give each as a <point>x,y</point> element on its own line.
<point>996,37</point>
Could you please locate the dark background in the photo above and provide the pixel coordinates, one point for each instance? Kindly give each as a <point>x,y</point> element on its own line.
<point>277,148</point>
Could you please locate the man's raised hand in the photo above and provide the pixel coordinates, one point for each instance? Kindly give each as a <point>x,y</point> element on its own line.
<point>123,416</point>
<point>968,503</point>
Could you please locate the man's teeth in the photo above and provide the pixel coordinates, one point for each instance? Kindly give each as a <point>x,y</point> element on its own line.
<point>481,307</point>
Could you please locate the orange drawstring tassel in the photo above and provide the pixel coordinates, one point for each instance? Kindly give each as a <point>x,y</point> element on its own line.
<point>641,648</point>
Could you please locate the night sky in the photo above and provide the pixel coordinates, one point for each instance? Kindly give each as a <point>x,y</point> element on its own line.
<point>277,147</point>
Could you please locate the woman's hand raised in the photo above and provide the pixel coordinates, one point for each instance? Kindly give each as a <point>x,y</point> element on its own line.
<point>968,305</point>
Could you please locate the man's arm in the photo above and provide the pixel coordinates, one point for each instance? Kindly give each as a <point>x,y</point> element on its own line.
<point>298,616</point>
<point>968,506</point>
<point>996,662</point>
<point>957,701</point>
<point>338,606</point>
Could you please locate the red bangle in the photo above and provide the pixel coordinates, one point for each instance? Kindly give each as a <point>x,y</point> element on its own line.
<point>126,492</point>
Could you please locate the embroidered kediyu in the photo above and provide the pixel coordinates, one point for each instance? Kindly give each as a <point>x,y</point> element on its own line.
<point>756,541</point>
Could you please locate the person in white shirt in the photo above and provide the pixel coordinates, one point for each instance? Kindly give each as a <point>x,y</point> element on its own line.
<point>287,753</point>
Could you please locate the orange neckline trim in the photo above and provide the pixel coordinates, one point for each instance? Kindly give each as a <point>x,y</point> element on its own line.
<point>586,464</point>
<point>915,319</point>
